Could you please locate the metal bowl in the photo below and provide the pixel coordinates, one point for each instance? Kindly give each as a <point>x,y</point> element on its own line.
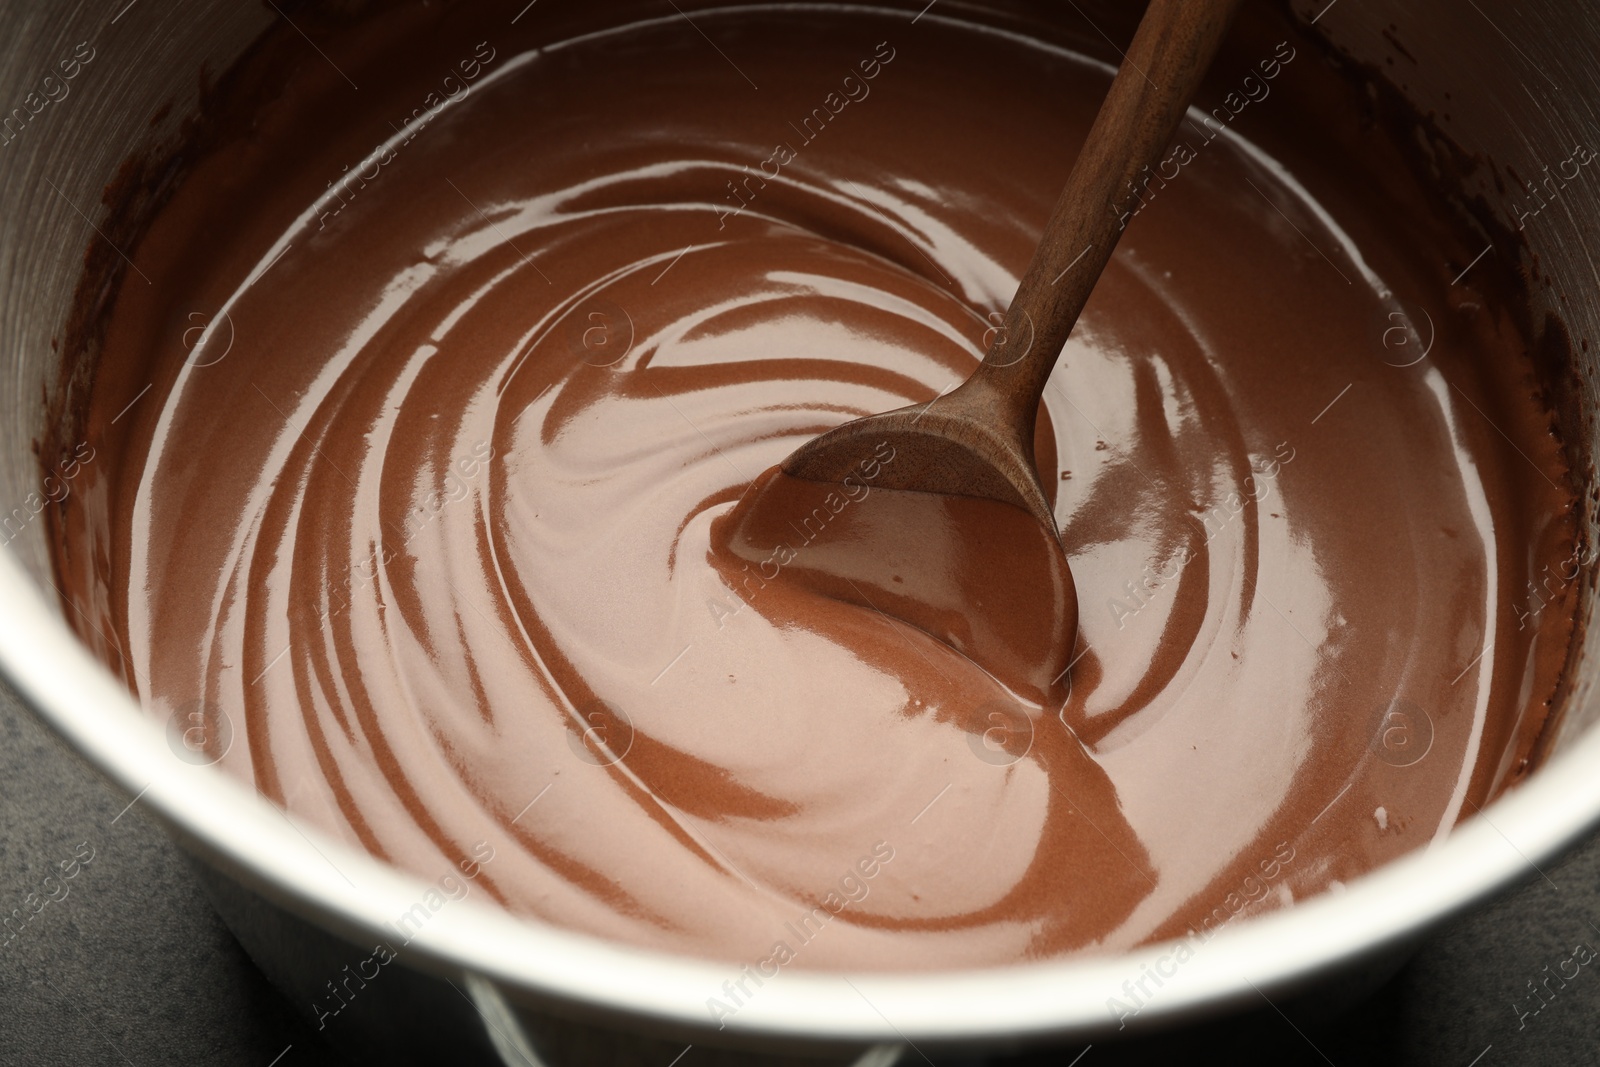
<point>477,984</point>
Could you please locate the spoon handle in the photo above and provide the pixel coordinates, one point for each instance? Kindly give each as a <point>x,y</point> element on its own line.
<point>1174,45</point>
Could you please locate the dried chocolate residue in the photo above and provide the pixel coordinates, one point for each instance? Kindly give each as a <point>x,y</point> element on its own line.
<point>1440,162</point>
<point>142,186</point>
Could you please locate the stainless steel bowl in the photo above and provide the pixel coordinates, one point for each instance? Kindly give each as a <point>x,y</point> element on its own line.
<point>305,906</point>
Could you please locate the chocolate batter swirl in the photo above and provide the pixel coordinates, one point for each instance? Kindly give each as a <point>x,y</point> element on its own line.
<point>421,499</point>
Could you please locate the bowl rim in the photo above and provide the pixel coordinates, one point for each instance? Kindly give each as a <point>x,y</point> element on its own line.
<point>353,894</point>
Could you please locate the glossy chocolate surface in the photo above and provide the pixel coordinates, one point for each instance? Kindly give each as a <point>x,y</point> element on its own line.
<point>442,415</point>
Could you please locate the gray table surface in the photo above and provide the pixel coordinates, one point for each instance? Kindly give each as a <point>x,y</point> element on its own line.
<point>132,968</point>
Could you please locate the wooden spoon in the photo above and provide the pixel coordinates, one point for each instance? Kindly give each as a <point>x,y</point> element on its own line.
<point>968,515</point>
